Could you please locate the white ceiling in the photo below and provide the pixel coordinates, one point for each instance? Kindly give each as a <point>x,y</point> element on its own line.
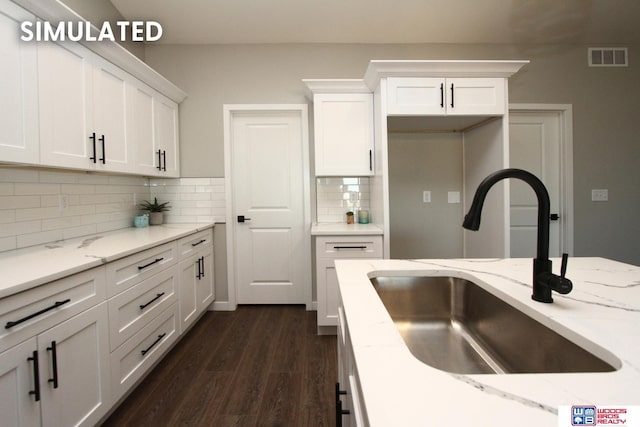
<point>595,22</point>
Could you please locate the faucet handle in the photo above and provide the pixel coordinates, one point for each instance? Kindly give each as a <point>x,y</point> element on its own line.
<point>563,266</point>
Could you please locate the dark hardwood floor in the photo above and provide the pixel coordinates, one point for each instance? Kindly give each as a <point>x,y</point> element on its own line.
<point>256,366</point>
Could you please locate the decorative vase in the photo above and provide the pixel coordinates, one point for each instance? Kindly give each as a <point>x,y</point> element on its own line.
<point>156,218</point>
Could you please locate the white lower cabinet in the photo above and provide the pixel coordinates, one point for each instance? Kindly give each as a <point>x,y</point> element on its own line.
<point>60,377</point>
<point>328,249</point>
<point>72,348</point>
<point>131,360</point>
<point>196,286</point>
<point>349,406</point>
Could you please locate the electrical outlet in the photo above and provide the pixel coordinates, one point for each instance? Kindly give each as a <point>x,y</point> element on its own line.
<point>453,197</point>
<point>601,195</point>
<point>426,197</point>
<point>63,202</point>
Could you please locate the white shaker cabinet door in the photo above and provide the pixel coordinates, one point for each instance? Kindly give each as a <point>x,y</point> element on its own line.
<point>65,92</point>
<point>343,130</point>
<point>19,400</point>
<point>19,100</point>
<point>74,374</point>
<point>167,136</point>
<point>110,86</point>
<point>142,129</point>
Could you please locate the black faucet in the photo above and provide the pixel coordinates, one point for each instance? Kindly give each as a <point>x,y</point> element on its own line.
<point>543,280</point>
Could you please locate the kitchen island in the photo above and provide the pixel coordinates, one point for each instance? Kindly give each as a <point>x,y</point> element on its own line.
<point>601,314</point>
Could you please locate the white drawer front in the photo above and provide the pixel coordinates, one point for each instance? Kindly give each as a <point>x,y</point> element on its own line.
<point>133,358</point>
<point>30,312</point>
<point>130,310</point>
<point>349,247</point>
<point>195,242</point>
<point>126,272</point>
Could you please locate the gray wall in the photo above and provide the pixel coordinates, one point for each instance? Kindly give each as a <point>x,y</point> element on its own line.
<point>606,104</point>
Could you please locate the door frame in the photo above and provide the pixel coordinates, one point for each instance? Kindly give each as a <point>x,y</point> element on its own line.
<point>565,112</point>
<point>228,111</point>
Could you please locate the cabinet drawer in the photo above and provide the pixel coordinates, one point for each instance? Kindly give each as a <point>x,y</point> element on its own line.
<point>130,310</point>
<point>195,242</point>
<point>133,359</point>
<point>349,247</point>
<point>30,312</point>
<point>126,272</point>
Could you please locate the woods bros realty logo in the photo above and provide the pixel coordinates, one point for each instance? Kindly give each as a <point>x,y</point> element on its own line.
<point>136,31</point>
<point>592,415</point>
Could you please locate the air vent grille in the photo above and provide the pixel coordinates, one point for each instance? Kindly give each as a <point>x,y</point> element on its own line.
<point>608,57</point>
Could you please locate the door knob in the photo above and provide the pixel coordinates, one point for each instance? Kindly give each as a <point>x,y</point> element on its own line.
<point>242,218</point>
<point>554,217</point>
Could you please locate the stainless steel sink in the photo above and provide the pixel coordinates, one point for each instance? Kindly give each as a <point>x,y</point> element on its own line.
<point>456,326</point>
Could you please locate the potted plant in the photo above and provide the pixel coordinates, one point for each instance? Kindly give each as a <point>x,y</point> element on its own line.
<point>156,216</point>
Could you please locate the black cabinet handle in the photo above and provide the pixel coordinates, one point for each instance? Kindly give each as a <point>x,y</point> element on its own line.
<point>442,95</point>
<point>370,160</point>
<point>143,306</point>
<point>148,349</point>
<point>349,247</point>
<point>201,241</point>
<point>451,95</point>
<point>36,376</point>
<point>141,267</point>
<point>164,160</point>
<point>93,140</point>
<point>54,364</point>
<point>202,267</point>
<point>339,411</point>
<point>31,316</point>
<point>103,159</point>
<point>159,167</point>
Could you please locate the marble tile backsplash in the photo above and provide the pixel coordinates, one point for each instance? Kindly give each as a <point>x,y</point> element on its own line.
<point>44,205</point>
<point>336,195</point>
<point>192,200</point>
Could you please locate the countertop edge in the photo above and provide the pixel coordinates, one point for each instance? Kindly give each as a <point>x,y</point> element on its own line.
<point>83,259</point>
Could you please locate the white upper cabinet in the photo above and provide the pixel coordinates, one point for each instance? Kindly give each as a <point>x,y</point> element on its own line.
<point>153,132</point>
<point>19,100</point>
<point>110,87</point>
<point>83,110</point>
<point>167,136</point>
<point>343,134</point>
<point>446,96</point>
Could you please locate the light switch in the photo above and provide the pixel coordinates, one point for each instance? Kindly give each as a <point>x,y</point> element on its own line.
<point>601,195</point>
<point>426,196</point>
<point>453,197</point>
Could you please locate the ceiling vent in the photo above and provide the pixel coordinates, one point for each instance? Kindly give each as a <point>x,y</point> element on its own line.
<point>608,57</point>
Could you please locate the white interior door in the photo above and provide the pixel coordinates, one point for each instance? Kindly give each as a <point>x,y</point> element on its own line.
<point>535,145</point>
<point>272,254</point>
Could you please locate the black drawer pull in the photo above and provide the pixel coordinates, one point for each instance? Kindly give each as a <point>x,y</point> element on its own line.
<point>349,247</point>
<point>103,159</point>
<point>57,304</point>
<point>148,349</point>
<point>141,267</point>
<point>159,167</point>
<point>36,376</point>
<point>54,364</point>
<point>93,144</point>
<point>143,306</point>
<point>201,241</point>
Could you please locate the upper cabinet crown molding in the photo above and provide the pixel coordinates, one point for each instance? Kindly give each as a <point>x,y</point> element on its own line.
<point>316,86</point>
<point>379,69</point>
<point>56,11</point>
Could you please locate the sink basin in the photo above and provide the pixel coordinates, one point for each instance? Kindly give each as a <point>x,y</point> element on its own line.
<point>456,326</point>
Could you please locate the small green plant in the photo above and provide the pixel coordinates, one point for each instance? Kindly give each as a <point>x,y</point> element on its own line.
<point>155,206</point>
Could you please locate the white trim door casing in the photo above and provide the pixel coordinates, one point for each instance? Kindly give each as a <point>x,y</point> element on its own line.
<point>257,272</point>
<point>560,116</point>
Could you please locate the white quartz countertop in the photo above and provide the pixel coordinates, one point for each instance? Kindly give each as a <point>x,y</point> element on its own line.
<point>30,267</point>
<point>338,229</point>
<point>602,313</point>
